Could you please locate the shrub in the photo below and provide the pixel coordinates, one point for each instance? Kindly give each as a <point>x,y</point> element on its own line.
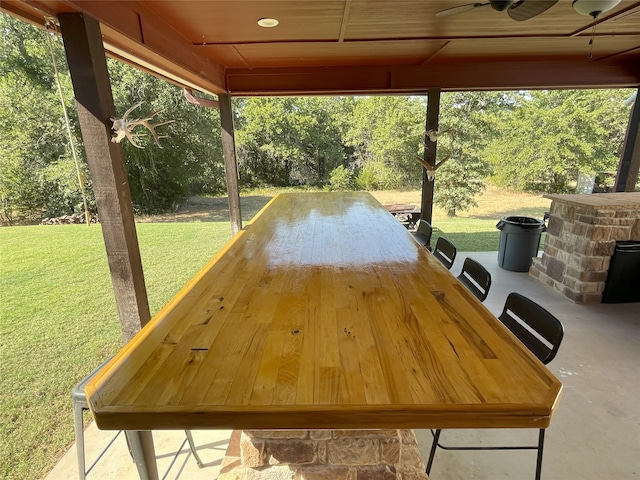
<point>340,179</point>
<point>367,178</point>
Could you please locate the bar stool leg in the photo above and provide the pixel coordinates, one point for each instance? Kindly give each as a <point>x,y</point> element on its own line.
<point>434,446</point>
<point>192,445</point>
<point>540,449</point>
<point>78,425</point>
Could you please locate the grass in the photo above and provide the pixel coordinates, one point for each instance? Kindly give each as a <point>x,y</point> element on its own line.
<point>475,229</point>
<point>471,231</point>
<point>493,204</point>
<point>58,317</point>
<point>58,320</point>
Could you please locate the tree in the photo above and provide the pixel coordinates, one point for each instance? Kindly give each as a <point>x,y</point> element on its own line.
<point>37,173</point>
<point>468,122</point>
<point>190,160</point>
<point>289,141</point>
<point>555,134</point>
<point>386,134</point>
<point>537,141</point>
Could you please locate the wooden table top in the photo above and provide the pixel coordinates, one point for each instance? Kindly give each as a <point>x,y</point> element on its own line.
<point>323,313</point>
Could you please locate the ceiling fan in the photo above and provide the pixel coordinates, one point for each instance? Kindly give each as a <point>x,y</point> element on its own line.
<point>520,10</point>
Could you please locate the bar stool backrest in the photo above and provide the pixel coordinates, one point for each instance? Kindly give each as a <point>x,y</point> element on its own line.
<point>476,278</point>
<point>534,326</point>
<point>445,251</point>
<point>423,233</point>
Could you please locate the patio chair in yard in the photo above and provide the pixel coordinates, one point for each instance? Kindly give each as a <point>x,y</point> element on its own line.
<point>422,234</point>
<point>445,251</point>
<point>79,399</point>
<point>476,278</point>
<point>542,334</point>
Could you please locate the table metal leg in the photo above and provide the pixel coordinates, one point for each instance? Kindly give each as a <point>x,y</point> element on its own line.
<point>144,455</point>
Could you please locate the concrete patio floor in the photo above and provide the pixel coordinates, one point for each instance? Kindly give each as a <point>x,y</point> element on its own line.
<point>594,435</point>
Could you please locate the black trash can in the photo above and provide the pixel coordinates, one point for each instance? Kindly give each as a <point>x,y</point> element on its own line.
<point>519,242</point>
<point>623,279</point>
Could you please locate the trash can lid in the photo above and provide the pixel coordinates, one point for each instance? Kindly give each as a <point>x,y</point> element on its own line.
<point>522,220</point>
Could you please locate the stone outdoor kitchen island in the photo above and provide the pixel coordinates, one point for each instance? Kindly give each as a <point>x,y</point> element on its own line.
<point>323,455</point>
<point>323,333</point>
<point>581,237</point>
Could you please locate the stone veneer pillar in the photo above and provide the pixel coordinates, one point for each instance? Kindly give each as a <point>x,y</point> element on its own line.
<point>579,244</point>
<point>323,455</point>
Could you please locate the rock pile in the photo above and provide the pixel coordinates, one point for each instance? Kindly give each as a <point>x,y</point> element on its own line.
<point>68,219</point>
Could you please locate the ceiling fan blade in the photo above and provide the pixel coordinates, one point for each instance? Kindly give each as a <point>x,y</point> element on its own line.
<point>526,9</point>
<point>459,9</point>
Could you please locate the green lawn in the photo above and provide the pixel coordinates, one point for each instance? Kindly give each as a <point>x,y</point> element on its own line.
<point>58,318</point>
<point>474,230</point>
<point>470,235</point>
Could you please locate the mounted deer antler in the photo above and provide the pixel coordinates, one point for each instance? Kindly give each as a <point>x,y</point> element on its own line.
<point>434,134</point>
<point>431,169</point>
<point>123,127</point>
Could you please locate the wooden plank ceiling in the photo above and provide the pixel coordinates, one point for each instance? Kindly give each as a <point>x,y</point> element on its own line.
<point>359,46</point>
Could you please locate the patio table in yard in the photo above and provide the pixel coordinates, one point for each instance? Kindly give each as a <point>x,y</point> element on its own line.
<point>323,313</point>
<point>408,215</point>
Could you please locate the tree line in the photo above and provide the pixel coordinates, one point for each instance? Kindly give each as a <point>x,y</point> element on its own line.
<point>532,141</point>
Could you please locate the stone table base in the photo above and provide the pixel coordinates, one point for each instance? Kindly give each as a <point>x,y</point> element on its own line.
<point>323,455</point>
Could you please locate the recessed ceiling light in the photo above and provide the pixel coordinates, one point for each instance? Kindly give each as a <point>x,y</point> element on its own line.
<point>268,22</point>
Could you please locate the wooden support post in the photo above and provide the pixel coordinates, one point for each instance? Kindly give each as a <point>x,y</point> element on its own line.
<point>94,101</point>
<point>430,150</point>
<point>230,163</point>
<point>627,175</point>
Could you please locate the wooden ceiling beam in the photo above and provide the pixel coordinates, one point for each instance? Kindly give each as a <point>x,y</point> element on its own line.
<point>24,12</point>
<point>132,28</point>
<point>135,36</point>
<point>471,75</point>
<point>434,54</point>
<point>424,38</point>
<point>352,50</point>
<point>618,54</point>
<point>345,20</point>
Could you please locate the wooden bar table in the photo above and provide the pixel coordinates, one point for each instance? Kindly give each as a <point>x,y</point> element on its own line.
<point>323,313</point>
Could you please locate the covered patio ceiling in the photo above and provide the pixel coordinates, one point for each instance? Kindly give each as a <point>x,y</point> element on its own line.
<point>359,46</point>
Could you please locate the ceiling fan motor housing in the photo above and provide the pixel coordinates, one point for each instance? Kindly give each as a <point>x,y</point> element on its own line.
<point>501,5</point>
